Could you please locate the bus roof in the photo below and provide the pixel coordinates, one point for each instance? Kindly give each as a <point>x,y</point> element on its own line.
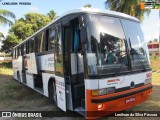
<point>83,10</point>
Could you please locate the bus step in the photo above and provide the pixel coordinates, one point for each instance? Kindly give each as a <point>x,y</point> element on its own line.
<point>39,89</point>
<point>81,111</point>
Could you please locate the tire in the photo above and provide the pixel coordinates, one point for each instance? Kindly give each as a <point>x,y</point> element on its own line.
<point>52,93</point>
<point>18,77</point>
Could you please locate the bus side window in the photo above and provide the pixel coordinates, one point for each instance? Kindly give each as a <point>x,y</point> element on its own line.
<point>15,53</point>
<point>46,39</point>
<point>76,39</point>
<point>37,39</point>
<point>52,38</point>
<point>19,51</point>
<point>27,47</point>
<point>13,56</point>
<point>24,49</point>
<point>31,47</point>
<point>42,42</point>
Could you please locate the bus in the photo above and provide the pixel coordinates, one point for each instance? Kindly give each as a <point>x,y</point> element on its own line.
<point>91,61</point>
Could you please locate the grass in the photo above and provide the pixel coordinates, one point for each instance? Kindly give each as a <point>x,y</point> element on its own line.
<point>14,96</point>
<point>155,63</point>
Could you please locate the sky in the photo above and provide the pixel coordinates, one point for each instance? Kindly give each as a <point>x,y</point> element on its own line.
<point>150,26</point>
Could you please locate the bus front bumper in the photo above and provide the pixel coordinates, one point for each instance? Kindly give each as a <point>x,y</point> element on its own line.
<point>107,104</point>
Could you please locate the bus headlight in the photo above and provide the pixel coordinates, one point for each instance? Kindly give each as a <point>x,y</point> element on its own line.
<point>103,91</point>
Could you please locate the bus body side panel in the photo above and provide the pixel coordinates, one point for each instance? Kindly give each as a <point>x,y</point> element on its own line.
<point>32,63</point>
<point>46,77</point>
<point>125,97</point>
<point>30,80</point>
<point>61,92</point>
<point>17,67</point>
<point>46,63</point>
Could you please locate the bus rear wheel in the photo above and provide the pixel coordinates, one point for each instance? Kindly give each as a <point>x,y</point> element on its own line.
<point>52,93</point>
<point>18,77</point>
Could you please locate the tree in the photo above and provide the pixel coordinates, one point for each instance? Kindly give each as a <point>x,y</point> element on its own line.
<point>10,41</point>
<point>23,28</point>
<point>155,40</point>
<point>88,6</point>
<point>51,15</point>
<point>4,15</point>
<point>32,22</point>
<point>1,36</point>
<point>130,7</point>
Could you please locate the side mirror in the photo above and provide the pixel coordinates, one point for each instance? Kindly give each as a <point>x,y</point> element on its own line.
<point>83,35</point>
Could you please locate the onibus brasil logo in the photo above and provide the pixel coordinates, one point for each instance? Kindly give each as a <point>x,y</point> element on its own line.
<point>150,4</point>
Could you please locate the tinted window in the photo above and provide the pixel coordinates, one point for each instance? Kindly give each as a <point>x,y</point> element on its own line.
<point>52,38</point>
<point>58,52</point>
<point>106,45</point>
<point>137,44</point>
<point>31,48</point>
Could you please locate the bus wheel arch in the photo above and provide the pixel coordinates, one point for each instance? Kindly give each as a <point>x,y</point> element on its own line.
<point>52,91</point>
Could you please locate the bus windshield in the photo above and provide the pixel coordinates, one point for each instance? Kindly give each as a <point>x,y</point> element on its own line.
<point>107,41</point>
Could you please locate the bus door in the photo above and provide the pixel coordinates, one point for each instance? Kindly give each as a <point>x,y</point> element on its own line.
<point>67,71</point>
<point>73,67</point>
<point>59,75</point>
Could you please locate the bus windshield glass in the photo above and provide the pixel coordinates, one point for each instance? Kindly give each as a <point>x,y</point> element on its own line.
<point>106,48</point>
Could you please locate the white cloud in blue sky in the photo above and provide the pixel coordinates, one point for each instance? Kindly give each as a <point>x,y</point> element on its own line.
<point>33,9</point>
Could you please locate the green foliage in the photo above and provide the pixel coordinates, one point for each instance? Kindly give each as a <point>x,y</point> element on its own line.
<point>23,28</point>
<point>10,41</point>
<point>1,35</point>
<point>130,7</point>
<point>51,14</point>
<point>6,64</point>
<point>4,15</point>
<point>32,22</point>
<point>88,6</point>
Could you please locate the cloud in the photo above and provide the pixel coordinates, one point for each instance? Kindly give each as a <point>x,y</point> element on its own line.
<point>151,36</point>
<point>33,9</point>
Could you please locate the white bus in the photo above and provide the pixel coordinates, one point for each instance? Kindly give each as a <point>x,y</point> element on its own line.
<point>91,61</point>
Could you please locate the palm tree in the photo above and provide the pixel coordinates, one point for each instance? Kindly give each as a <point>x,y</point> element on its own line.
<point>1,36</point>
<point>88,6</point>
<point>4,15</point>
<point>130,7</point>
<point>51,15</point>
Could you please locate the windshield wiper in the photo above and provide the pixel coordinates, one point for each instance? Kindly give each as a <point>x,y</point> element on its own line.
<point>133,52</point>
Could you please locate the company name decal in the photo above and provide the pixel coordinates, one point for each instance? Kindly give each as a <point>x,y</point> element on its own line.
<point>113,81</point>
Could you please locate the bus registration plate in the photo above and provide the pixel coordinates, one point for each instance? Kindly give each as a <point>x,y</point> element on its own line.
<point>131,99</point>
